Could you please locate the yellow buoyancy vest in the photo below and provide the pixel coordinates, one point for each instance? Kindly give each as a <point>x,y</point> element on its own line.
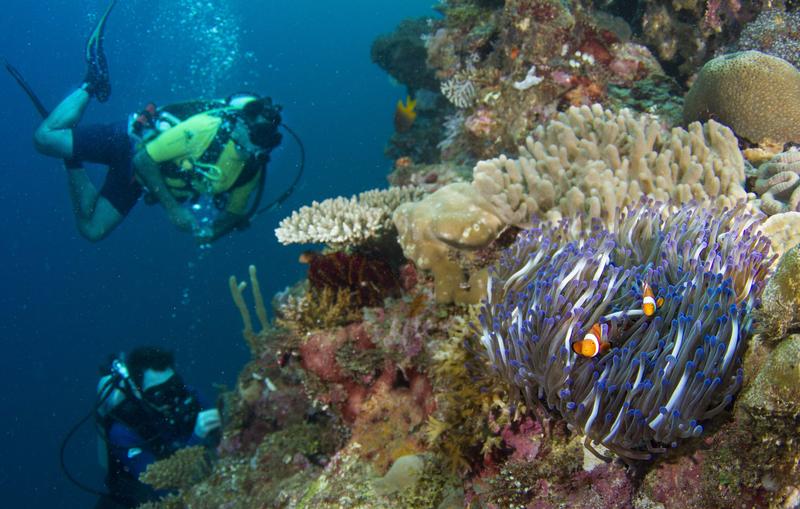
<point>184,146</point>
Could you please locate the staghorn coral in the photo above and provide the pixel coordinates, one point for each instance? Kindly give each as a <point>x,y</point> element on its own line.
<point>665,375</point>
<point>590,160</point>
<point>778,183</point>
<point>183,469</point>
<point>756,95</point>
<point>345,221</point>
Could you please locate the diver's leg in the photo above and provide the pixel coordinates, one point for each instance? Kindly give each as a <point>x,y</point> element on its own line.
<point>54,135</point>
<point>94,214</point>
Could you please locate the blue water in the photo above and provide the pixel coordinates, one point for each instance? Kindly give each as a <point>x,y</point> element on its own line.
<point>65,304</point>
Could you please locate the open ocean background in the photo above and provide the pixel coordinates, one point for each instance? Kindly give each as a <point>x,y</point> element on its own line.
<point>66,304</point>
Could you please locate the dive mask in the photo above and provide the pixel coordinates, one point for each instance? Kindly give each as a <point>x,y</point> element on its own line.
<point>261,117</point>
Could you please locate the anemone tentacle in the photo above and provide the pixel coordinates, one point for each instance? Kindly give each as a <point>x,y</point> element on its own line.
<point>664,375</point>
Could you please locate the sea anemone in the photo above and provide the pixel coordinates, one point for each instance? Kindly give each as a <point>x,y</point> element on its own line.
<point>663,375</point>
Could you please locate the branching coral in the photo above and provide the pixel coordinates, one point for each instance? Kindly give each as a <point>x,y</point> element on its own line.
<point>665,374</point>
<point>778,183</point>
<point>590,160</point>
<point>184,468</point>
<point>345,221</point>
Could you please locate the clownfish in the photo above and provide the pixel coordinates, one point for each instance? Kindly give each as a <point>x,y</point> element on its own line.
<point>404,114</point>
<point>649,301</point>
<point>593,342</point>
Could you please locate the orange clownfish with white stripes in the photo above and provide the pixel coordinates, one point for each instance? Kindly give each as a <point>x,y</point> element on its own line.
<point>649,301</point>
<point>593,342</point>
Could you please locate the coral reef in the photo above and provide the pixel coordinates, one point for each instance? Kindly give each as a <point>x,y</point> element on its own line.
<point>507,66</point>
<point>756,95</point>
<point>594,160</point>
<point>775,32</point>
<point>665,374</point>
<point>439,356</point>
<point>778,183</point>
<point>402,54</point>
<point>344,221</point>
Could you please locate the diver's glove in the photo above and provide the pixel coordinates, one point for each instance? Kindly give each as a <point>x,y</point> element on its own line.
<point>207,421</point>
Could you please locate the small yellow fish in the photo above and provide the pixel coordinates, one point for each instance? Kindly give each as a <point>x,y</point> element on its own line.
<point>593,342</point>
<point>404,114</point>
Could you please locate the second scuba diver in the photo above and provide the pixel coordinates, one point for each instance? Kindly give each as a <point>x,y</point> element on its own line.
<point>177,155</point>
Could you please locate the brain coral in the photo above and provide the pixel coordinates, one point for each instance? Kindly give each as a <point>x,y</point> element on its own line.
<point>665,374</point>
<point>593,160</point>
<point>757,95</point>
<point>778,183</point>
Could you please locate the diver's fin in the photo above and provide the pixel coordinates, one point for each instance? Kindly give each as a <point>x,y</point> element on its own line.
<point>97,79</point>
<point>95,40</point>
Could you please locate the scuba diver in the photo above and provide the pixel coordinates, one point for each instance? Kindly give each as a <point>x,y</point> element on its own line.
<point>204,161</point>
<point>144,413</point>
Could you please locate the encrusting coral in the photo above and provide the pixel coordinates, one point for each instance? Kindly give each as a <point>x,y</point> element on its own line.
<point>780,306</point>
<point>756,95</point>
<point>591,160</point>
<point>666,372</point>
<point>454,218</point>
<point>778,183</point>
<point>345,221</point>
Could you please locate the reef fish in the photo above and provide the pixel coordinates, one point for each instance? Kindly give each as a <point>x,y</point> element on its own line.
<point>404,114</point>
<point>592,343</point>
<point>649,301</point>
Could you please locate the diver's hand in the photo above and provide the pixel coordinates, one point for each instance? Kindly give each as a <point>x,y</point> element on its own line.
<point>207,421</point>
<point>183,219</point>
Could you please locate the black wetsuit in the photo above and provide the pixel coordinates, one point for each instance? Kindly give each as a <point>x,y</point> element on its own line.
<point>109,144</point>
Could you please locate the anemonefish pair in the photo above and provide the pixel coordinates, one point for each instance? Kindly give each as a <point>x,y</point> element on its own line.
<point>595,341</point>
